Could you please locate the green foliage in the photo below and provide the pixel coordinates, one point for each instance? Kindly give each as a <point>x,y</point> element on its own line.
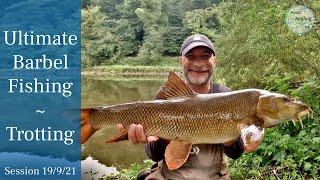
<point>136,61</point>
<point>140,29</point>
<point>155,22</point>
<point>128,29</point>
<point>173,38</point>
<point>132,171</point>
<point>254,43</point>
<point>287,151</point>
<point>133,70</point>
<point>97,42</point>
<point>248,36</point>
<point>107,7</point>
<point>203,21</point>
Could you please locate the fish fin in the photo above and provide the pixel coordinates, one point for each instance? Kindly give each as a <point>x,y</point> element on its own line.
<point>86,128</point>
<point>122,136</point>
<point>174,87</point>
<point>252,135</point>
<point>176,154</point>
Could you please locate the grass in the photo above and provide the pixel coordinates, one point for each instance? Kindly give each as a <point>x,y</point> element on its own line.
<point>130,70</point>
<point>132,172</point>
<point>135,66</point>
<point>138,61</point>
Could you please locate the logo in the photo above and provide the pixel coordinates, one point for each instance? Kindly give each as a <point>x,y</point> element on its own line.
<point>197,38</point>
<point>300,19</point>
<point>194,150</point>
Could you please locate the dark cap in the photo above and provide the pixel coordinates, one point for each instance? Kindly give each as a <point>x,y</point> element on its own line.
<point>195,41</point>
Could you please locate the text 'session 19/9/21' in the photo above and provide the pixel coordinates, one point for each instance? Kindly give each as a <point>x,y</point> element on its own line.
<point>44,171</point>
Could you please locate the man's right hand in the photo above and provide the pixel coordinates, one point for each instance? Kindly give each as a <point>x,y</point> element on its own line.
<point>137,135</point>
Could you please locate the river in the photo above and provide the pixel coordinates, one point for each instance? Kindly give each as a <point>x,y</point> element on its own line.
<point>105,91</point>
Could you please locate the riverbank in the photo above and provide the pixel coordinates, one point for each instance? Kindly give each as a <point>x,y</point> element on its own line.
<point>130,70</point>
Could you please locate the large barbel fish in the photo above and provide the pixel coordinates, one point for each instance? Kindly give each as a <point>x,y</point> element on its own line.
<point>187,118</point>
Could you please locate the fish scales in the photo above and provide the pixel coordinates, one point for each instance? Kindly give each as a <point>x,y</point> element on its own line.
<point>198,119</point>
<point>185,117</point>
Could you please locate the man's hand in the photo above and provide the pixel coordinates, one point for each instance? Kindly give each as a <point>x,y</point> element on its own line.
<point>136,134</point>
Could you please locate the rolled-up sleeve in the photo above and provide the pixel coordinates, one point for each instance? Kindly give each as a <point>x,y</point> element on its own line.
<point>235,150</point>
<point>156,150</point>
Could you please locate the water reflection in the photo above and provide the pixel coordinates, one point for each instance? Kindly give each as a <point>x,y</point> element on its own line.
<point>104,91</point>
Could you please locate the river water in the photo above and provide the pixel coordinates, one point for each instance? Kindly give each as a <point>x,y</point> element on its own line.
<point>105,91</point>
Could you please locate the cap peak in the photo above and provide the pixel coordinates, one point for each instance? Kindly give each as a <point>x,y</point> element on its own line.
<point>195,41</point>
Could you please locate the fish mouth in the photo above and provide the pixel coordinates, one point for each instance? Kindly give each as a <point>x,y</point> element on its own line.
<point>300,114</point>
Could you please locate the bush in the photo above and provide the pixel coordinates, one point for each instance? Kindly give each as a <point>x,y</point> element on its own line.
<point>132,172</point>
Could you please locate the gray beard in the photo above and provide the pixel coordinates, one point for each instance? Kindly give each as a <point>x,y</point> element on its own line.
<point>189,81</point>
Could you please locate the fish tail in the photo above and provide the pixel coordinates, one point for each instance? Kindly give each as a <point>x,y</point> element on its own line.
<point>86,127</point>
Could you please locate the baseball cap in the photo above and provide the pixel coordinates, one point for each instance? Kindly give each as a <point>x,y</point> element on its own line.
<point>195,41</point>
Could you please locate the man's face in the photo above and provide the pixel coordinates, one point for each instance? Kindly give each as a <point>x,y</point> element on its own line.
<point>198,65</point>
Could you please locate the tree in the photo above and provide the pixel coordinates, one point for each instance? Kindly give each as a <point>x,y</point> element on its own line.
<point>98,43</point>
<point>128,28</point>
<point>254,43</point>
<point>155,23</point>
<point>203,21</point>
<point>108,7</point>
